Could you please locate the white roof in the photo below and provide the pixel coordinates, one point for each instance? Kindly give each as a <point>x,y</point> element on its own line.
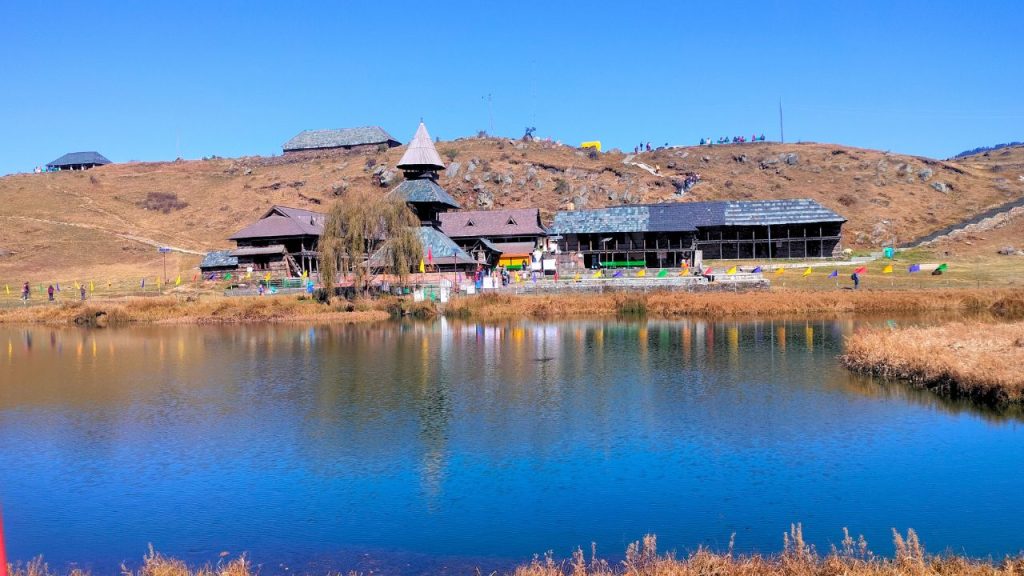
<point>421,152</point>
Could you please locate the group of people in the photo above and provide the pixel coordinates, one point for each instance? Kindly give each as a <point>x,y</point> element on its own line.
<point>26,292</point>
<point>733,140</point>
<point>646,148</point>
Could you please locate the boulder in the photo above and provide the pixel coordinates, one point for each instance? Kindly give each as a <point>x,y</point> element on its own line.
<point>453,169</point>
<point>388,177</point>
<point>790,158</point>
<point>941,187</point>
<point>1007,250</point>
<point>925,174</point>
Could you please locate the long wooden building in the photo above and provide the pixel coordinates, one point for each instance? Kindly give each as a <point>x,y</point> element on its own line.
<point>670,234</point>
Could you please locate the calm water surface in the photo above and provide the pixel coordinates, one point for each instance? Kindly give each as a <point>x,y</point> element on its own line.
<point>411,447</point>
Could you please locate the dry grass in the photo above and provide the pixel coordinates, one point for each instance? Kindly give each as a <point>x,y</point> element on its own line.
<point>973,360</point>
<point>666,304</point>
<point>798,558</point>
<point>191,310</point>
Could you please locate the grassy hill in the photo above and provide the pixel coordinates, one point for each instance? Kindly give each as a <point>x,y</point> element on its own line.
<point>107,222</point>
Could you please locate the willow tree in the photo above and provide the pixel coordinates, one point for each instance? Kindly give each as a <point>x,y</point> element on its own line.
<point>360,226</point>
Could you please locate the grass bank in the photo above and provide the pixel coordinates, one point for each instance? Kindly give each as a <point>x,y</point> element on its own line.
<point>665,304</point>
<point>192,310</point>
<point>851,558</point>
<point>961,360</point>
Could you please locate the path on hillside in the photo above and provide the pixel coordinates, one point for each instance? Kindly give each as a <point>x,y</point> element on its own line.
<point>976,219</point>
<point>94,227</point>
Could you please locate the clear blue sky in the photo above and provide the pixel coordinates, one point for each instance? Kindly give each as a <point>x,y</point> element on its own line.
<point>141,80</point>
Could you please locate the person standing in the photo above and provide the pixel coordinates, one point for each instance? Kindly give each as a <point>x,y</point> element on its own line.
<point>49,292</point>
<point>25,292</point>
<point>856,280</point>
<point>81,290</point>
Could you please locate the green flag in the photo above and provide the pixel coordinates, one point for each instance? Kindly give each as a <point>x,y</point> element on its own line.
<point>943,267</point>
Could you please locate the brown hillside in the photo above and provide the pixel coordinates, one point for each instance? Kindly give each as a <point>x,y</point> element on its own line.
<point>108,221</point>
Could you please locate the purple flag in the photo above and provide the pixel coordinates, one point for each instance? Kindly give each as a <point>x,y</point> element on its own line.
<point>756,270</point>
<point>834,274</point>
<point>914,268</point>
<point>143,282</point>
<point>617,274</point>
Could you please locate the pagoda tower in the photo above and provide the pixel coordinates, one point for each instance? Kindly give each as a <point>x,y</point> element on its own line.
<point>421,164</point>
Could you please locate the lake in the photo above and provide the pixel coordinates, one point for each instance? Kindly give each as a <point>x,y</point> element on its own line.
<point>408,447</point>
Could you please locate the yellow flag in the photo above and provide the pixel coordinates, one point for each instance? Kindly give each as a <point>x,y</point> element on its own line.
<point>76,285</point>
<point>177,281</point>
<point>576,277</point>
<point>422,267</point>
<point>887,269</point>
<point>807,272</point>
<point>641,273</point>
<point>598,274</point>
<point>7,287</point>
<point>92,286</point>
<point>779,271</point>
<point>731,270</point>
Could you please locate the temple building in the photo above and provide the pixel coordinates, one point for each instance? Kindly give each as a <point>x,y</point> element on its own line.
<point>420,190</point>
<point>365,137</point>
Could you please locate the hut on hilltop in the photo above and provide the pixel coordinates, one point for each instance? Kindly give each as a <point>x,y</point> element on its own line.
<point>364,137</point>
<point>78,161</point>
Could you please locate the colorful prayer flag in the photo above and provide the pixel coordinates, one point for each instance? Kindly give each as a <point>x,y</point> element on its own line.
<point>914,268</point>
<point>887,269</point>
<point>641,273</point>
<point>58,286</point>
<point>731,270</point>
<point>756,270</point>
<point>833,274</point>
<point>92,286</point>
<point>808,272</point>
<point>7,288</point>
<point>598,274</point>
<point>943,267</point>
<point>177,281</point>
<point>143,283</point>
<point>779,271</point>
<point>708,271</point>
<point>422,267</point>
<point>618,274</point>
<point>663,273</point>
<point>430,255</point>
<point>861,270</point>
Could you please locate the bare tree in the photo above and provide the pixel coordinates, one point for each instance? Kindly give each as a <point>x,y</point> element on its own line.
<point>362,225</point>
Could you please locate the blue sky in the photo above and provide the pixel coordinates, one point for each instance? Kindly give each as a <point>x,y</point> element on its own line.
<point>143,80</point>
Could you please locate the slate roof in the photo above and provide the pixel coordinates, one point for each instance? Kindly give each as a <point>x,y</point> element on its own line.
<point>689,216</point>
<point>282,221</point>
<point>421,154</point>
<point>319,139</point>
<point>74,158</point>
<point>218,259</point>
<point>491,223</point>
<point>443,248</point>
<point>424,190</point>
<point>763,212</point>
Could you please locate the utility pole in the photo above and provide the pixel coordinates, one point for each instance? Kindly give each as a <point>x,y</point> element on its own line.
<point>782,132</point>
<point>490,114</point>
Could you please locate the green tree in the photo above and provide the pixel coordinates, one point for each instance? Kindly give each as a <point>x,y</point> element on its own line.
<point>361,225</point>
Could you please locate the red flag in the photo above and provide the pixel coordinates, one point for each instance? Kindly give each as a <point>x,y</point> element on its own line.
<point>3,554</point>
<point>861,270</point>
<point>430,255</point>
<point>707,271</point>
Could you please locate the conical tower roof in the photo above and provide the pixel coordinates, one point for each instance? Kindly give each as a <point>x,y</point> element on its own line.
<point>421,155</point>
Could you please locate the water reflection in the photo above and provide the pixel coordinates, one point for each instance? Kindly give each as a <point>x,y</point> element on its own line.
<point>455,438</point>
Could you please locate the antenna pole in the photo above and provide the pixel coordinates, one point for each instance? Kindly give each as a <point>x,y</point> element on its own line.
<point>490,114</point>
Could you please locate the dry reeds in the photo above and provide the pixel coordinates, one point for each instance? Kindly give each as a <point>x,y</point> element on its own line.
<point>669,304</point>
<point>642,558</point>
<point>975,360</point>
<point>207,310</point>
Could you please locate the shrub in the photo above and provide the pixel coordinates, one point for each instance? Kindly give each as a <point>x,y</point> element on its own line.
<point>165,202</point>
<point>451,154</point>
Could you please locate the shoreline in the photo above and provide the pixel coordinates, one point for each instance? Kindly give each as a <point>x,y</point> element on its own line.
<point>851,557</point>
<point>977,361</point>
<point>659,304</point>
